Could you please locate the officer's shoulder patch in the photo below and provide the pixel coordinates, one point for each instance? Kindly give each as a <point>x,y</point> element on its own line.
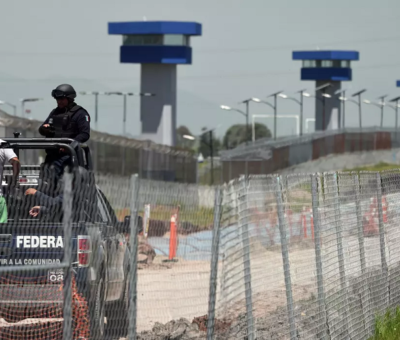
<point>87,118</point>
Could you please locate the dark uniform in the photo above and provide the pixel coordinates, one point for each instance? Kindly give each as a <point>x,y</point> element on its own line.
<point>72,122</point>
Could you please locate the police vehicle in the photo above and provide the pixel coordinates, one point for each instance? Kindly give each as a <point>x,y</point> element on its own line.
<point>100,252</point>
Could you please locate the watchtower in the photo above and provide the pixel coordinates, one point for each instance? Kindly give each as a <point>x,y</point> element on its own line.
<point>324,67</point>
<point>159,46</point>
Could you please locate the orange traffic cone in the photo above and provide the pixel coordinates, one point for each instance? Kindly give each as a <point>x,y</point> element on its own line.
<point>173,240</point>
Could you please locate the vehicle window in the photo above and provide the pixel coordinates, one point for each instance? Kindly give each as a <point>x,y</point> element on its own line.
<point>110,210</point>
<point>101,212</point>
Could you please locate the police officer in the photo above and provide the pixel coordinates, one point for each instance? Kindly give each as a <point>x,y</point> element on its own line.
<point>67,120</point>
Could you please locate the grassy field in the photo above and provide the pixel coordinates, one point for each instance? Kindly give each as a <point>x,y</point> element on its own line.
<point>377,167</point>
<point>202,217</point>
<point>382,166</point>
<point>387,327</point>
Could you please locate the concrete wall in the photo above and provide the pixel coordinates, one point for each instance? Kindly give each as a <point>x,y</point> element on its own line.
<point>327,110</point>
<point>158,113</point>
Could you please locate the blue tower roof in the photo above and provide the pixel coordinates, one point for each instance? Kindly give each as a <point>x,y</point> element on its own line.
<point>154,27</point>
<point>326,65</point>
<point>325,55</point>
<point>398,83</point>
<point>155,42</point>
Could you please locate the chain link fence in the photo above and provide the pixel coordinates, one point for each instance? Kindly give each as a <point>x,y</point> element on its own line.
<point>299,256</point>
<point>309,256</point>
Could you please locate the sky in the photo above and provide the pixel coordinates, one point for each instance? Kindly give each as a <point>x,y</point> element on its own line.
<point>245,51</point>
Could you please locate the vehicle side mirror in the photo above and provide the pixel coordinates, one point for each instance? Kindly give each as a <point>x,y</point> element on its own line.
<point>125,226</point>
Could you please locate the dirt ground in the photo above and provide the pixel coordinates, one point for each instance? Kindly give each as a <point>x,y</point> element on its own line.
<point>169,291</point>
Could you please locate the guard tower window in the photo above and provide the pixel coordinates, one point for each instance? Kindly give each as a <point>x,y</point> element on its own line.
<point>176,39</point>
<point>345,63</point>
<point>327,63</point>
<point>309,63</point>
<point>156,39</point>
<point>145,39</point>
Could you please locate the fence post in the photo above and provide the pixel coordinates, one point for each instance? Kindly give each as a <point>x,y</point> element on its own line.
<point>339,243</point>
<point>322,324</point>
<point>67,219</point>
<point>246,258</point>
<point>356,185</point>
<point>365,302</point>
<point>214,263</point>
<point>382,238</point>
<point>134,207</point>
<point>285,258</point>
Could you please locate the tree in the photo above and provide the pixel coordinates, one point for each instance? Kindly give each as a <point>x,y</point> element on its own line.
<point>183,142</point>
<point>236,134</point>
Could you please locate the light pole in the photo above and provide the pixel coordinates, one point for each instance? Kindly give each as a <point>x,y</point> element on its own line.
<point>344,99</point>
<point>257,100</point>
<point>342,117</point>
<point>125,94</point>
<point>358,94</point>
<point>96,103</point>
<point>246,114</point>
<point>380,105</point>
<point>24,100</point>
<point>300,102</point>
<point>210,145</point>
<point>247,101</point>
<point>382,98</point>
<point>396,108</point>
<point>324,95</point>
<point>275,95</point>
<point>2,102</point>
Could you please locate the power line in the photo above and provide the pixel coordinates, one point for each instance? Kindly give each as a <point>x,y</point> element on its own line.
<point>284,47</point>
<point>193,77</point>
<point>5,53</point>
<point>196,77</point>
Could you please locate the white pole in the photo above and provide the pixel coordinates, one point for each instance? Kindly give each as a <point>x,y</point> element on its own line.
<point>307,121</point>
<point>281,116</point>
<point>253,129</point>
<point>298,125</point>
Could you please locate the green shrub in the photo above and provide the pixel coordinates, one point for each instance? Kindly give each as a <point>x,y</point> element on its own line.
<point>387,327</point>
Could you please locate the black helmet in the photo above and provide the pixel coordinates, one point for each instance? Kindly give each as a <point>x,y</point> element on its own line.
<point>64,90</point>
